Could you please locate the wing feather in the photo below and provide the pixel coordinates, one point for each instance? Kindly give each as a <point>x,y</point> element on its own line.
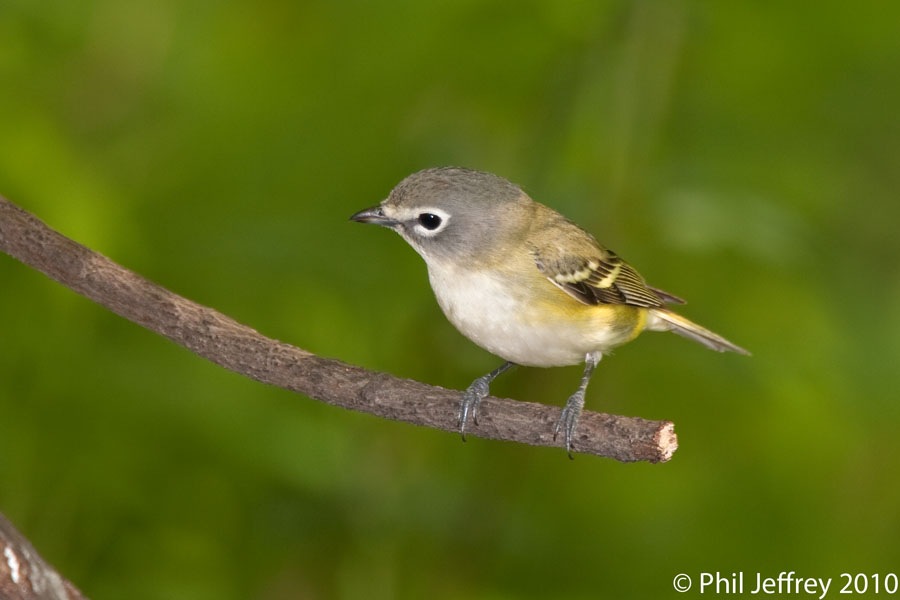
<point>593,274</point>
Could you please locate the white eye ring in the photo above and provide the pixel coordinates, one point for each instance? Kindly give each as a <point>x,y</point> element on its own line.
<point>430,221</point>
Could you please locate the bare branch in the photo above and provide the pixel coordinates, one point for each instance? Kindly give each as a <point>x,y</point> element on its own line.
<point>24,575</point>
<point>239,348</point>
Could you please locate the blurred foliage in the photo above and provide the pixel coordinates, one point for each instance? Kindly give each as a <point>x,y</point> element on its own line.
<point>741,154</point>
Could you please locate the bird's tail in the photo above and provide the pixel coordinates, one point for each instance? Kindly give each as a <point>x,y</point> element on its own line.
<point>661,319</point>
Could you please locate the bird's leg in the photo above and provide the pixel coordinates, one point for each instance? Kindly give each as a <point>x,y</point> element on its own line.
<point>569,417</point>
<point>474,394</point>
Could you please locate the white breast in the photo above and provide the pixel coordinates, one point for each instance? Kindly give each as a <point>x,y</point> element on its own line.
<point>489,310</point>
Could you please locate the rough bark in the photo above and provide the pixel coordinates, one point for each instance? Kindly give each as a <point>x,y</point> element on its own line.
<point>24,575</point>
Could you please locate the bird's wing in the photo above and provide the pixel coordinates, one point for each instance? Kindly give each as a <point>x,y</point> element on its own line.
<point>593,274</point>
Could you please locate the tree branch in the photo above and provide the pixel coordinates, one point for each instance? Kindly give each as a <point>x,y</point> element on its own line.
<point>239,348</point>
<point>24,575</point>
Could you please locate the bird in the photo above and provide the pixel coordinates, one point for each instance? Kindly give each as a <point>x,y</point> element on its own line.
<point>523,282</point>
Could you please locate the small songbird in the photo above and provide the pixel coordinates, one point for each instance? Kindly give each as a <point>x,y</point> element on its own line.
<point>522,281</point>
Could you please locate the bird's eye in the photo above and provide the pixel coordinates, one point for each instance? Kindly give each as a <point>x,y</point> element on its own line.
<point>430,221</point>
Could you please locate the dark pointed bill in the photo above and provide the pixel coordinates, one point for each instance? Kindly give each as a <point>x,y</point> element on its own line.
<point>373,215</point>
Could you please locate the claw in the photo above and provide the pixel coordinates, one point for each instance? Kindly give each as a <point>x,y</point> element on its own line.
<point>568,418</point>
<point>475,393</point>
<point>572,410</point>
<point>469,405</point>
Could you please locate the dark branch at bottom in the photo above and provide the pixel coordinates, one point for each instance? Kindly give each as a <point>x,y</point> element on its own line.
<point>24,575</point>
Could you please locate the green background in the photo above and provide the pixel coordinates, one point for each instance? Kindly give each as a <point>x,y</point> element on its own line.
<point>743,155</point>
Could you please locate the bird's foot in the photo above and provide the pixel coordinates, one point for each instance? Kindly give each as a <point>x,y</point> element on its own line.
<point>471,399</point>
<point>568,419</point>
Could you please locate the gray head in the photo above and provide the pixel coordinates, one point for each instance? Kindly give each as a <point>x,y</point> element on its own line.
<point>450,212</point>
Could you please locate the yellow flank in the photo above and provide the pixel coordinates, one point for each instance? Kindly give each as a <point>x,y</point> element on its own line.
<point>614,324</point>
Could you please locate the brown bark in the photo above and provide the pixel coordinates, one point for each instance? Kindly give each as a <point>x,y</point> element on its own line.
<point>24,575</point>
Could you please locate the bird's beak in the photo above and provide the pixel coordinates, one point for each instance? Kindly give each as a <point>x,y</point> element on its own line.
<point>374,215</point>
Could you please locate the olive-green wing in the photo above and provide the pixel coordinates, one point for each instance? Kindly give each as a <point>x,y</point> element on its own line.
<point>593,274</point>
